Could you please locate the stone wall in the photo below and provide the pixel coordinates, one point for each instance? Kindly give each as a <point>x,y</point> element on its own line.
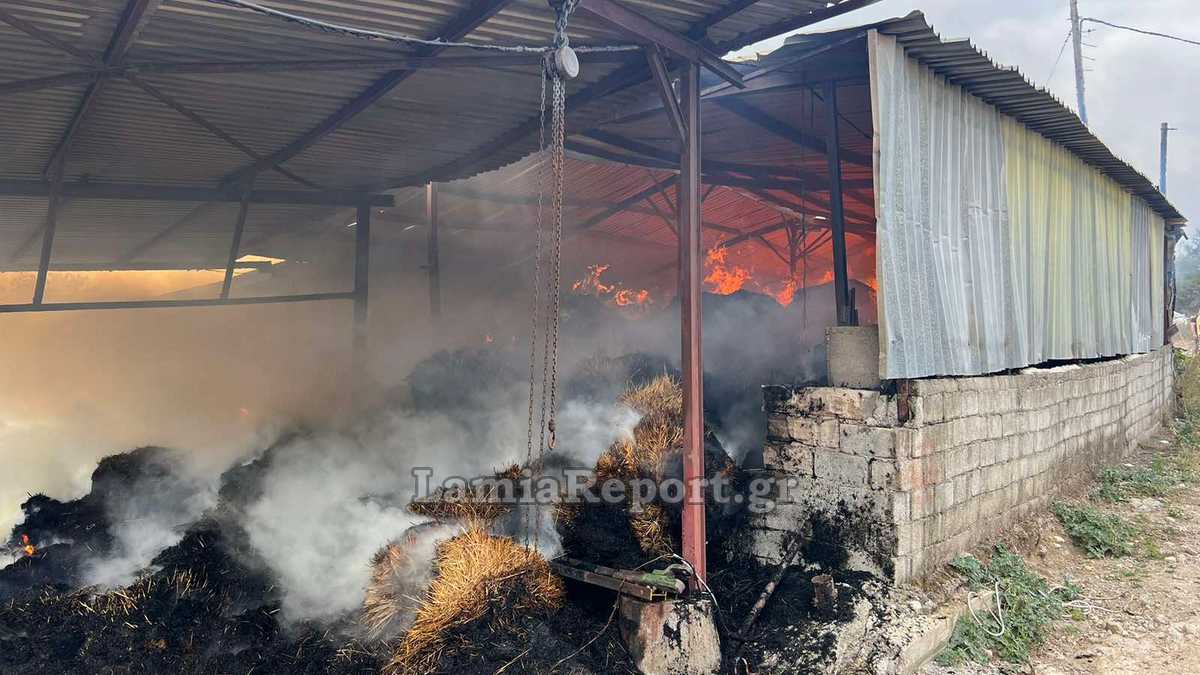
<point>909,480</point>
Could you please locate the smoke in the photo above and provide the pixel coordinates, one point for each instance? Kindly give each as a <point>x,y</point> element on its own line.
<point>329,501</point>
<point>78,386</point>
<point>148,506</point>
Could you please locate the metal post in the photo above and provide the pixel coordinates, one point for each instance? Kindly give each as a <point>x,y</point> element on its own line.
<point>236,245</point>
<point>690,273</point>
<point>841,284</point>
<point>39,287</point>
<point>1077,45</point>
<point>1162,159</point>
<point>434,260</point>
<point>362,268</point>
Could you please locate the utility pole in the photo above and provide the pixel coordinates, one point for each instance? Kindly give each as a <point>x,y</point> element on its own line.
<point>1162,159</point>
<point>1077,45</point>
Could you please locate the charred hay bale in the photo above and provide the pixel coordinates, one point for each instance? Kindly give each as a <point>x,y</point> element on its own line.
<point>463,380</point>
<point>484,586</point>
<point>603,378</point>
<point>65,535</point>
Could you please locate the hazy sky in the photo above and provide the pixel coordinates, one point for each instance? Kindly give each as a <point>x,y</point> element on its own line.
<point>1134,83</point>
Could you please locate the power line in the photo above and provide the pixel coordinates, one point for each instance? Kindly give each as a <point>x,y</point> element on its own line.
<point>1139,30</point>
<point>1061,50</point>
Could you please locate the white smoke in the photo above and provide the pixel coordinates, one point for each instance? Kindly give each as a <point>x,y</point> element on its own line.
<point>330,501</point>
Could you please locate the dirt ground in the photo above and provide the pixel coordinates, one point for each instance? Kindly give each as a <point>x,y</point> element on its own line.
<point>1142,612</point>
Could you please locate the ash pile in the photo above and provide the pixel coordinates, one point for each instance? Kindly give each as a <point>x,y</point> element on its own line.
<point>158,571</point>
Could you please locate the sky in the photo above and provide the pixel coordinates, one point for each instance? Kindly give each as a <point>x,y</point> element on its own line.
<point>1134,82</point>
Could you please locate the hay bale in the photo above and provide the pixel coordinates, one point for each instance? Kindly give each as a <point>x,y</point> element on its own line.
<point>482,583</point>
<point>623,535</point>
<point>400,573</point>
<point>470,503</point>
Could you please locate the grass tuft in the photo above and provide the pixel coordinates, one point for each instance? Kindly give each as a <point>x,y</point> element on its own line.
<point>1028,606</point>
<point>1098,533</point>
<point>1160,478</point>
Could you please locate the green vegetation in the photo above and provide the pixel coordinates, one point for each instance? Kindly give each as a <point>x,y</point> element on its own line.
<point>1119,483</point>
<point>1027,605</point>
<point>1097,532</point>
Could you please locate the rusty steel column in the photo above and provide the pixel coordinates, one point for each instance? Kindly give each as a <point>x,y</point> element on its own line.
<point>434,260</point>
<point>841,284</point>
<point>690,296</point>
<point>362,269</point>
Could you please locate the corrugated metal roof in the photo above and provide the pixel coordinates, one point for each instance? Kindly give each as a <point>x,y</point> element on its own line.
<point>1006,88</point>
<point>432,123</point>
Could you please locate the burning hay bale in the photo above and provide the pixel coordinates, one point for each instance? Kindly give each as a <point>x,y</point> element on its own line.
<point>484,586</point>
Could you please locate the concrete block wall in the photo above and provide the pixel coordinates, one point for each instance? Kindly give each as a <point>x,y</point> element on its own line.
<point>909,481</point>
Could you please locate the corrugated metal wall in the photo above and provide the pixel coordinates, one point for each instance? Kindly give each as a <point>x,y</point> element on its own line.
<point>996,247</point>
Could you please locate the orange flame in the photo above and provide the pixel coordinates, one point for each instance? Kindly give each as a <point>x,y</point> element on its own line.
<point>722,278</point>
<point>785,295</point>
<point>616,294</point>
<point>26,546</point>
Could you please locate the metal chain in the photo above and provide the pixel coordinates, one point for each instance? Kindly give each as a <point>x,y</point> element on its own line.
<point>535,309</point>
<point>547,432</point>
<point>558,129</point>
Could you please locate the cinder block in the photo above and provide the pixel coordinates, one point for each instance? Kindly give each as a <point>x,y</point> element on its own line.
<point>882,474</point>
<point>933,408</point>
<point>911,474</point>
<point>944,496</point>
<point>853,356</point>
<point>867,441</point>
<point>792,458</point>
<point>920,503</point>
<point>841,469</point>
<point>814,431</point>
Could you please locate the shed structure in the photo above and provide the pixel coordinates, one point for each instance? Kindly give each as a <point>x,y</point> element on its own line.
<point>992,229</point>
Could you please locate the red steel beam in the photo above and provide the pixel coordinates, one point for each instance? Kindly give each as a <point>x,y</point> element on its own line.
<point>691,272</point>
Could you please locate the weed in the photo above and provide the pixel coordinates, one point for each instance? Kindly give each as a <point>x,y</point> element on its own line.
<point>1188,381</point>
<point>1098,533</point>
<point>1029,605</point>
<point>1151,549</point>
<point>1177,513</point>
<point>1162,476</point>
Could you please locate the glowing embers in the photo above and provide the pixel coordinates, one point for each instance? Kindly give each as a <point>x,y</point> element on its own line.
<point>614,294</point>
<point>27,546</point>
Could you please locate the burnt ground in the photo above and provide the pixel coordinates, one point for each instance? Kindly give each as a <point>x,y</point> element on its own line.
<point>1144,614</point>
<point>206,604</point>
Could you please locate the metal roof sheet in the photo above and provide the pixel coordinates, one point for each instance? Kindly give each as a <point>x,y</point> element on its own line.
<point>442,124</point>
<point>1006,88</point>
